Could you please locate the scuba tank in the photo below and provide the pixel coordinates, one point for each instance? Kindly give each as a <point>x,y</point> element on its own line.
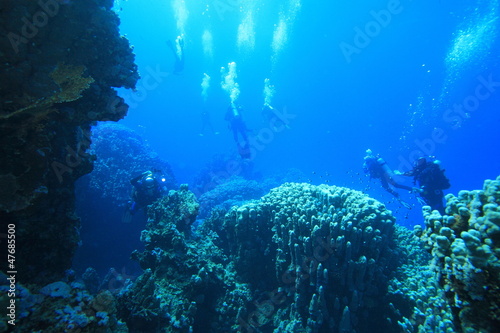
<point>384,166</point>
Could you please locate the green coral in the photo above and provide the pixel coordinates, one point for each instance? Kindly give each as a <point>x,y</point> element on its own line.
<point>71,83</point>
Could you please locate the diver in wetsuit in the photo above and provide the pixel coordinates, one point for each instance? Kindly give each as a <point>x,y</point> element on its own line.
<point>271,117</point>
<point>239,128</point>
<point>146,190</point>
<point>377,168</point>
<point>431,180</point>
<point>178,51</point>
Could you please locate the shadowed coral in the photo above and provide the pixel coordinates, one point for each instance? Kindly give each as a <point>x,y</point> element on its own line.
<point>54,85</point>
<point>71,83</point>
<point>122,154</point>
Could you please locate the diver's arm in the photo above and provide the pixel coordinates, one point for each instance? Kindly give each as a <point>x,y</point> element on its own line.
<point>135,180</point>
<point>385,185</point>
<point>410,173</point>
<point>404,187</point>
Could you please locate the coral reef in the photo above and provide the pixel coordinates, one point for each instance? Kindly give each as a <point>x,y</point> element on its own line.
<point>415,292</point>
<point>234,191</point>
<point>302,258</point>
<point>56,82</point>
<point>186,286</point>
<point>122,154</point>
<point>465,246</point>
<point>64,307</point>
<point>220,169</point>
<point>331,254</point>
<point>71,84</point>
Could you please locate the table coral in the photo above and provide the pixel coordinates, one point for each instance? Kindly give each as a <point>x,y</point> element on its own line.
<point>71,83</point>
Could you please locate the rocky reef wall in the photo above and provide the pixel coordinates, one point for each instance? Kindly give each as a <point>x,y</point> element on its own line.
<point>59,63</point>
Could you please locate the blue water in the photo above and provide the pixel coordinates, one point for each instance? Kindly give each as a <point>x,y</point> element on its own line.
<point>390,94</point>
<point>385,97</point>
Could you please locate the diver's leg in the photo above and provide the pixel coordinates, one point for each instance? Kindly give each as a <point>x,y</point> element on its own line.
<point>235,135</point>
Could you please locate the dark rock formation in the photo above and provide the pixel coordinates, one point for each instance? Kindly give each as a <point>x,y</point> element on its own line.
<point>59,62</point>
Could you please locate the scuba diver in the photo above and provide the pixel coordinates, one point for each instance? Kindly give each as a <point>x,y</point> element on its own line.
<point>431,181</point>
<point>147,188</point>
<point>377,168</point>
<point>270,116</point>
<point>178,51</point>
<point>239,128</point>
